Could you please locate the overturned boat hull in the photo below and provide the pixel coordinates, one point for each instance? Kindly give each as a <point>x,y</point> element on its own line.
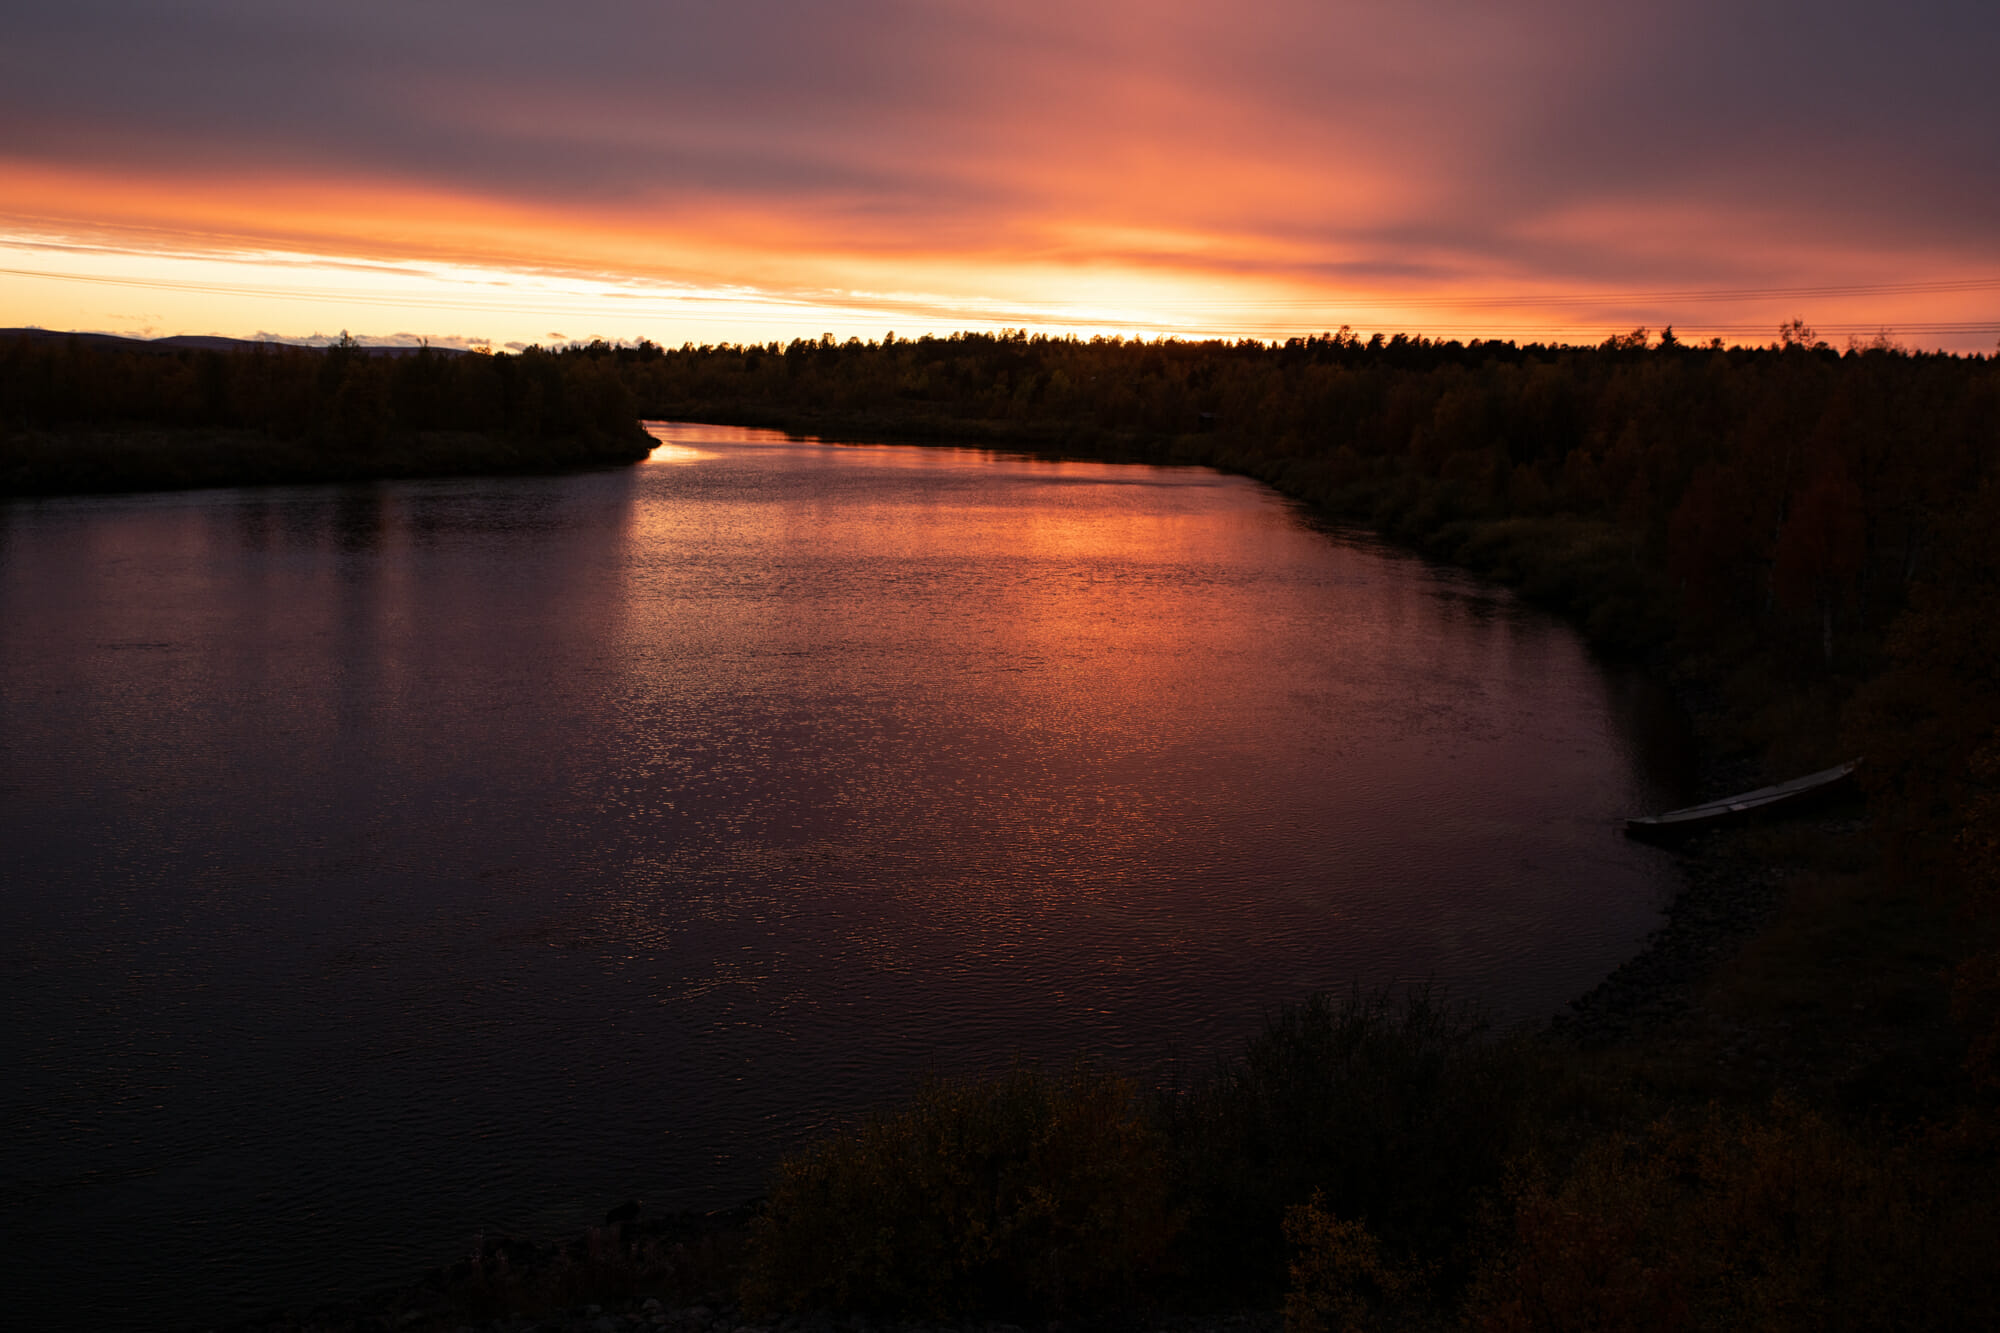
<point>1750,803</point>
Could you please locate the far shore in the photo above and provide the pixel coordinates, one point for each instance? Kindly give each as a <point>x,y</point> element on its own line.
<point>99,460</point>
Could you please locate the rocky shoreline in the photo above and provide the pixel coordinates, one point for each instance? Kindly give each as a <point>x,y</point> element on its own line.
<point>1722,902</point>
<point>1725,896</point>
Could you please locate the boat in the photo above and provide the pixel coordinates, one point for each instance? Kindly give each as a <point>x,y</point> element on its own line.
<point>1764,799</point>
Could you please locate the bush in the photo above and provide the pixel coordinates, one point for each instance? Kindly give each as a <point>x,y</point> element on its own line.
<point>1398,1112</point>
<point>1773,1220</point>
<point>1031,1193</point>
<point>1340,1280</point>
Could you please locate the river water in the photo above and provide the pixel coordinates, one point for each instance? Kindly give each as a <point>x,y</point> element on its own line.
<point>383,863</point>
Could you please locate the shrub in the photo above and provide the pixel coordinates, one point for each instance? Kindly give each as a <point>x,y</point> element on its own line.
<point>1773,1220</point>
<point>1398,1111</point>
<point>1340,1280</point>
<point>1030,1193</point>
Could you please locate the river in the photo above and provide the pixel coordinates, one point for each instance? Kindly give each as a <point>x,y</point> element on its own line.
<point>383,863</point>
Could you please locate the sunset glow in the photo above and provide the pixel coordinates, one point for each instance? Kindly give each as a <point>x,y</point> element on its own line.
<point>684,174</point>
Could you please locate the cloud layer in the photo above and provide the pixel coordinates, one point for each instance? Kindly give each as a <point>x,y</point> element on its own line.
<point>1290,158</point>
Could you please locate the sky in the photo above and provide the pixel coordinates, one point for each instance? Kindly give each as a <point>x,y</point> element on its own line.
<point>500,172</point>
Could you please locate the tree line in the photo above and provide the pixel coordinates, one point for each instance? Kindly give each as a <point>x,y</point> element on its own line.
<point>81,414</point>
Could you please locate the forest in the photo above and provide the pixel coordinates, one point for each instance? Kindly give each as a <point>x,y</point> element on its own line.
<point>1805,540</point>
<point>79,415</point>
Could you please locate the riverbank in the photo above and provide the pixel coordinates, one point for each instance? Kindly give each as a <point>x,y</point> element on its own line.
<point>96,460</point>
<point>82,415</point>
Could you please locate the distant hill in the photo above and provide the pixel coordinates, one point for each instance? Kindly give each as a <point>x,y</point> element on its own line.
<point>200,342</point>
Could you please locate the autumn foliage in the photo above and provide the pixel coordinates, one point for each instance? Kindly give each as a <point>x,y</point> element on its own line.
<point>1036,1191</point>
<point>1769,1218</point>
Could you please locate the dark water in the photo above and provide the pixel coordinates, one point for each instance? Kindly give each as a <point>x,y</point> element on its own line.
<point>383,863</point>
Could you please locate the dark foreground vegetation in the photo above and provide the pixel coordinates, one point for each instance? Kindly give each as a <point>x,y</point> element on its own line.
<point>1383,1163</point>
<point>1802,1132</point>
<point>1366,1162</point>
<point>96,415</point>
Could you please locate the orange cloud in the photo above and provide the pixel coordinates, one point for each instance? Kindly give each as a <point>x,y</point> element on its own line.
<point>663,170</point>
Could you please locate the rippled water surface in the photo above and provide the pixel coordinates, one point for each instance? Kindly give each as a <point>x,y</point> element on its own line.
<point>382,863</point>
